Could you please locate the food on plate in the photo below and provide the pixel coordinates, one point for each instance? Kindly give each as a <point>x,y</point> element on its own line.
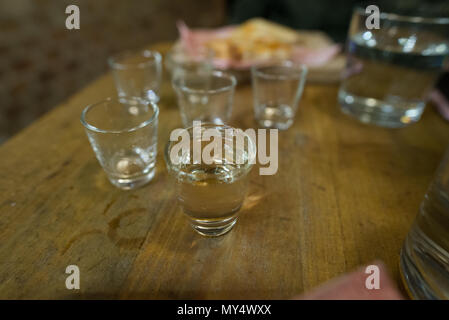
<point>253,42</point>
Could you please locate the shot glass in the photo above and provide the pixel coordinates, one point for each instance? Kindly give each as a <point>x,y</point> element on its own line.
<point>205,97</point>
<point>179,61</point>
<point>277,89</point>
<point>123,135</point>
<point>137,74</point>
<point>211,187</point>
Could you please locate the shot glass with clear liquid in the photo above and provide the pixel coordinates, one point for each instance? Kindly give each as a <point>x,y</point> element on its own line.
<point>277,90</point>
<point>425,255</point>
<point>211,193</point>
<point>205,97</point>
<point>123,135</point>
<point>137,74</point>
<point>391,70</point>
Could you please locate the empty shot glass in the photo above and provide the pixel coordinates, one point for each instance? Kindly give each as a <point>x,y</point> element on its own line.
<point>179,61</point>
<point>137,74</point>
<point>211,189</point>
<point>123,135</point>
<point>205,97</point>
<point>277,89</point>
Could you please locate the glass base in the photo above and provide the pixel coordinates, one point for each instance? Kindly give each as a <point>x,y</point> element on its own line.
<point>414,283</point>
<point>394,114</point>
<point>270,124</point>
<point>275,116</point>
<point>213,228</point>
<point>424,269</point>
<point>149,95</point>
<point>134,182</point>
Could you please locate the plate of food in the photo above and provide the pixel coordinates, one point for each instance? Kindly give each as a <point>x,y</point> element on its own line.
<point>258,41</point>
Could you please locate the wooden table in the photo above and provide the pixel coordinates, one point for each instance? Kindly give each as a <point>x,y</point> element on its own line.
<point>345,194</point>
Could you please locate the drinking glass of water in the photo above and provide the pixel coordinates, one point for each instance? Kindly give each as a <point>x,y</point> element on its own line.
<point>205,97</point>
<point>425,254</point>
<point>123,135</point>
<point>277,89</point>
<point>390,70</point>
<point>137,74</point>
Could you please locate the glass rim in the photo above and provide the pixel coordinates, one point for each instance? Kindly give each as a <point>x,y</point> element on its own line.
<point>114,60</point>
<point>176,49</point>
<point>404,18</point>
<point>143,124</point>
<point>260,70</point>
<point>177,56</point>
<point>208,125</point>
<point>215,73</point>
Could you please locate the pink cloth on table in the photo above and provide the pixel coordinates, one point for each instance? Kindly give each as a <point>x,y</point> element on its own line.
<point>352,286</point>
<point>315,57</point>
<point>441,103</point>
<point>192,39</point>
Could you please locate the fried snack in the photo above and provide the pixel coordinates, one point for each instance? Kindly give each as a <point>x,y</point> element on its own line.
<point>255,40</point>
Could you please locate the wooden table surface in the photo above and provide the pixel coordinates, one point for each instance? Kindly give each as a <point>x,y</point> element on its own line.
<point>344,195</point>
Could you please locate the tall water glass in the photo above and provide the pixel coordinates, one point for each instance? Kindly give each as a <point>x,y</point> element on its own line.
<point>123,135</point>
<point>137,74</point>
<point>390,70</point>
<point>425,254</point>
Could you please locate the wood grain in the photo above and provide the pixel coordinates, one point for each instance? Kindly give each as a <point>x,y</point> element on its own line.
<point>345,194</point>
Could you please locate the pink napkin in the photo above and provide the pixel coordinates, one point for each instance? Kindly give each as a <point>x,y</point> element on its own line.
<point>352,286</point>
<point>441,103</point>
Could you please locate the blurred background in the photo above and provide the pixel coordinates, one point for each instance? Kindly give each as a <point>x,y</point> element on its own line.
<point>42,63</point>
